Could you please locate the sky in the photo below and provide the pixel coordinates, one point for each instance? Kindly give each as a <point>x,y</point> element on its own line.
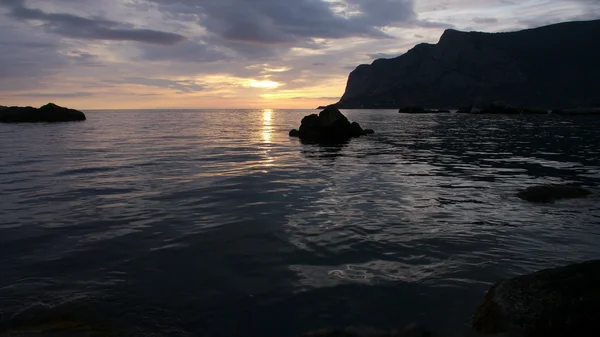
<point>139,54</point>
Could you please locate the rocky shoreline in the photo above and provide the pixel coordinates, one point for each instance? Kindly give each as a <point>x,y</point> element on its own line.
<point>498,108</point>
<point>555,302</point>
<point>49,113</point>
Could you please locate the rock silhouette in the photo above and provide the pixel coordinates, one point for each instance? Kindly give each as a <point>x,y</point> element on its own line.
<point>551,193</point>
<point>49,113</point>
<point>330,126</point>
<point>523,69</point>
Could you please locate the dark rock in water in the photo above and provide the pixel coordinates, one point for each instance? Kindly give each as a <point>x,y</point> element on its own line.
<point>420,110</point>
<point>330,126</point>
<point>557,302</point>
<point>465,109</point>
<point>47,113</point>
<point>578,112</point>
<point>550,193</point>
<point>368,131</point>
<point>500,108</point>
<point>534,111</point>
<point>412,330</point>
<point>413,110</point>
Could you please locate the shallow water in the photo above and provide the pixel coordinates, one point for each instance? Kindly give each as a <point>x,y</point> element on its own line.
<point>216,223</point>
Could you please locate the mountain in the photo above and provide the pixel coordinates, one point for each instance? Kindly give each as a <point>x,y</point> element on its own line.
<point>555,66</point>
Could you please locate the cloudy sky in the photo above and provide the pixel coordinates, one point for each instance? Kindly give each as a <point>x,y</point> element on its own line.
<point>228,53</point>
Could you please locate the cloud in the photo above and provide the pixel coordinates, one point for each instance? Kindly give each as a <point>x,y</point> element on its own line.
<point>242,24</point>
<point>73,26</point>
<point>26,59</point>
<point>56,95</point>
<point>180,86</point>
<point>481,20</point>
<point>187,51</point>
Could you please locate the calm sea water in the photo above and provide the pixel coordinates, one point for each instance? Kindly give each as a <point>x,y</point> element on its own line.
<point>216,223</point>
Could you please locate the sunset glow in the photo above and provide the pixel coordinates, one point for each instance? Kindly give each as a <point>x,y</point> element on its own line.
<point>119,54</point>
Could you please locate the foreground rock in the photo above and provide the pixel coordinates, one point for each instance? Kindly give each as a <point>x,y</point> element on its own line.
<point>553,302</point>
<point>412,330</point>
<point>420,110</point>
<point>329,126</point>
<point>551,193</point>
<point>47,113</point>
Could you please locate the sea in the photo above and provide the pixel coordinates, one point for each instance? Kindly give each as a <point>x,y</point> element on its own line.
<point>217,223</point>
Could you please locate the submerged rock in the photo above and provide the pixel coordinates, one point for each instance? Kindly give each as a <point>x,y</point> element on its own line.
<point>555,302</point>
<point>550,193</point>
<point>47,113</point>
<point>329,126</point>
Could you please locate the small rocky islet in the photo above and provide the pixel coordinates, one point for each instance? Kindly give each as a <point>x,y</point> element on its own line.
<point>330,126</point>
<point>49,113</point>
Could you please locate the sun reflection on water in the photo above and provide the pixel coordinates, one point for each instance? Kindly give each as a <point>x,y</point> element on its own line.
<point>267,135</point>
<point>267,128</point>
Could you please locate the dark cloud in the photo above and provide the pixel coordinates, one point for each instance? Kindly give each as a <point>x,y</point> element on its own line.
<point>242,25</point>
<point>73,26</point>
<point>187,51</point>
<point>26,58</point>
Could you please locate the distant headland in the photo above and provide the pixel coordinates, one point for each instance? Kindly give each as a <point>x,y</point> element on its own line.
<point>551,67</point>
<point>49,113</point>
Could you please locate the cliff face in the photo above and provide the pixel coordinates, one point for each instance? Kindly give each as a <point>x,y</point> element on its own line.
<point>556,66</point>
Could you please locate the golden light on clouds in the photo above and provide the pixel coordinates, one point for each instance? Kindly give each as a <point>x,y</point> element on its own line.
<point>262,84</point>
<point>277,70</point>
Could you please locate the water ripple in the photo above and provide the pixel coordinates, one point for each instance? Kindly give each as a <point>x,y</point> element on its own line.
<point>194,219</point>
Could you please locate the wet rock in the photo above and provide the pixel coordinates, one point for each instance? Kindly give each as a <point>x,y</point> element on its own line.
<point>47,113</point>
<point>329,126</point>
<point>551,193</point>
<point>556,302</point>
